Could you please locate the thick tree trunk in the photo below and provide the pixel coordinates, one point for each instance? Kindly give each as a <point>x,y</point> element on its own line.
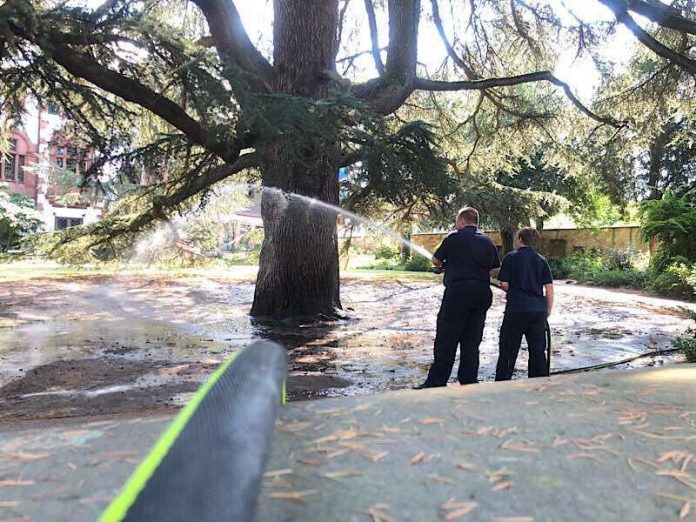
<point>298,270</point>
<point>508,237</point>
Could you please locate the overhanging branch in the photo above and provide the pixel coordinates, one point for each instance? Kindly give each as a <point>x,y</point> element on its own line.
<point>663,15</point>
<point>620,10</point>
<point>507,81</point>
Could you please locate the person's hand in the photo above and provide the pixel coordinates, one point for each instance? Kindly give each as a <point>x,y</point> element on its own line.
<point>438,269</point>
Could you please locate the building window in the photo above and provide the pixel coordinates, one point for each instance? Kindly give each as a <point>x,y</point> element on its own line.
<point>62,222</point>
<point>60,163</point>
<point>20,168</point>
<point>9,165</point>
<point>71,164</point>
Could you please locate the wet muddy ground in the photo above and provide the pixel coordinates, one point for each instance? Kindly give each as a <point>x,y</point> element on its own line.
<point>94,345</point>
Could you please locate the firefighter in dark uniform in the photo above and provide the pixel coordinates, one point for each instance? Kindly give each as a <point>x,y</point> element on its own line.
<point>468,257</point>
<point>526,277</point>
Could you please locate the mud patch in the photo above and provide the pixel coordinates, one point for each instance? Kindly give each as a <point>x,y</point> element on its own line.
<point>85,374</point>
<point>155,399</point>
<point>311,386</point>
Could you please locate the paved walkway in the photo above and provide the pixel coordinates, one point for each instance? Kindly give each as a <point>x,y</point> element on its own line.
<point>606,446</point>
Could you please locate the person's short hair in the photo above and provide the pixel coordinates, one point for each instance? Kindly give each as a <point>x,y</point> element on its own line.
<point>468,214</point>
<point>529,236</point>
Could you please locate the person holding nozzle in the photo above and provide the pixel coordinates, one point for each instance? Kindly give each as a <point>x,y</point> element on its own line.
<point>469,258</point>
<point>526,278</point>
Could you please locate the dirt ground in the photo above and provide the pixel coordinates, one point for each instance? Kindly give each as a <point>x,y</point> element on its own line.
<point>83,345</point>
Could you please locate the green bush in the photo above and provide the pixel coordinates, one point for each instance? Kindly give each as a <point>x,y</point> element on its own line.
<point>560,268</point>
<point>418,264</point>
<point>671,221</point>
<point>386,252</point>
<point>614,268</point>
<point>619,278</point>
<point>678,280</point>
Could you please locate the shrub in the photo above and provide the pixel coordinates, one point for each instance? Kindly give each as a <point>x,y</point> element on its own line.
<point>678,280</point>
<point>560,268</point>
<point>418,264</point>
<point>615,268</point>
<point>672,221</point>
<point>386,252</point>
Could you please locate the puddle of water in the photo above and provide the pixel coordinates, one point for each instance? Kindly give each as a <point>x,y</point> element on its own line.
<point>158,325</point>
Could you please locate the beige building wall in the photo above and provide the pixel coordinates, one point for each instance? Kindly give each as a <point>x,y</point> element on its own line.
<point>562,242</point>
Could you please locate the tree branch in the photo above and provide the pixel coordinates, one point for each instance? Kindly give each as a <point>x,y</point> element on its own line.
<point>663,15</point>
<point>469,85</point>
<point>193,185</point>
<point>372,20</point>
<point>233,42</point>
<point>620,10</point>
<point>80,65</point>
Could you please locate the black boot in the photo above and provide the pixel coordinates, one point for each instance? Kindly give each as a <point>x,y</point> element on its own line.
<point>426,384</point>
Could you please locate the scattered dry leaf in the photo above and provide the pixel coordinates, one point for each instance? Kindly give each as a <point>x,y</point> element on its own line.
<point>519,446</point>
<point>376,457</point>
<point>378,515</point>
<point>292,496</point>
<point>422,458</point>
<point>442,480</point>
<point>685,510</point>
<point>338,475</point>
<point>589,456</point>
<point>17,482</point>
<point>502,485</point>
<point>341,435</point>
<point>432,420</point>
<point>460,509</point>
<point>278,473</point>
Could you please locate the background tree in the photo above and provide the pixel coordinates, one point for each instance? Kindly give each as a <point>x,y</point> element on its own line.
<point>17,219</point>
<point>225,105</point>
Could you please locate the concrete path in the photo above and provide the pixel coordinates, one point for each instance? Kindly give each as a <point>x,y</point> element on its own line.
<point>606,446</point>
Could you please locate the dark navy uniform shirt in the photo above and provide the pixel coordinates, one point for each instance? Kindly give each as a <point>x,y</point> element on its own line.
<point>527,272</point>
<point>468,255</point>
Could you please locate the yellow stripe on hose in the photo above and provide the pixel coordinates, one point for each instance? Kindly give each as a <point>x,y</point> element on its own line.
<point>119,507</point>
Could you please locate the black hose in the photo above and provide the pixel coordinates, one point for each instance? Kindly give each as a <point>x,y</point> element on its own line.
<point>214,469</point>
<point>617,363</point>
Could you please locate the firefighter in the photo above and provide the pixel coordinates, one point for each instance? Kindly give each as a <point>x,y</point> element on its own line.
<point>526,277</point>
<point>469,258</point>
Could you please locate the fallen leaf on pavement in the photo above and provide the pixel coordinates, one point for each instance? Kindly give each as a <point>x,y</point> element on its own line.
<point>292,496</point>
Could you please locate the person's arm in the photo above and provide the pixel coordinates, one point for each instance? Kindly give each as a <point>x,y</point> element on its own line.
<point>547,281</point>
<point>549,298</point>
<point>440,254</point>
<point>503,274</point>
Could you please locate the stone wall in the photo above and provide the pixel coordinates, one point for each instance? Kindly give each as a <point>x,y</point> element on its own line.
<point>562,242</point>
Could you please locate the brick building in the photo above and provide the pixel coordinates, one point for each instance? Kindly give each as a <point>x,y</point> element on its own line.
<point>38,153</point>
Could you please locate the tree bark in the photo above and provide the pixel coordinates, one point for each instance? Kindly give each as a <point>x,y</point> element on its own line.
<point>508,237</point>
<point>298,269</point>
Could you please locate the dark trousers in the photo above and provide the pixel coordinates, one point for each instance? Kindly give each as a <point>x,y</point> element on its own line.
<point>460,322</point>
<point>516,324</point>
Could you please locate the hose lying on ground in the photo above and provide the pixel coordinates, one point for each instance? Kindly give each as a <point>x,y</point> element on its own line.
<point>617,363</point>
<point>208,466</point>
